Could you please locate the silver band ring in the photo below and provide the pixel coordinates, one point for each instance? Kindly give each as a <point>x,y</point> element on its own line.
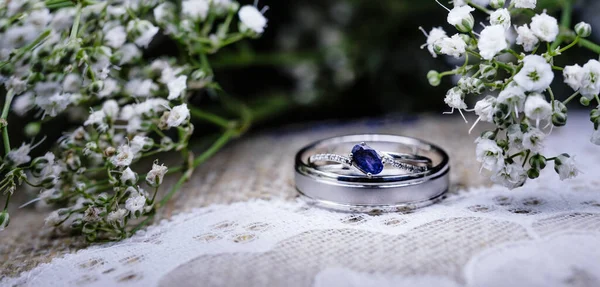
<point>341,188</point>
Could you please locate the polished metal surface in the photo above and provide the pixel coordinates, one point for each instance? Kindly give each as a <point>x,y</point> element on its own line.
<point>340,188</point>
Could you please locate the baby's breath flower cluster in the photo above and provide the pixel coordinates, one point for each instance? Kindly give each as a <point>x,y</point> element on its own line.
<point>85,59</point>
<point>511,80</point>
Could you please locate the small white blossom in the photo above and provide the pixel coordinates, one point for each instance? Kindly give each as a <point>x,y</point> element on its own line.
<point>567,168</point>
<point>514,97</point>
<point>533,139</point>
<point>156,174</point>
<point>110,108</point>
<point>72,83</point>
<point>511,176</point>
<point>110,87</point>
<point>54,104</point>
<point>63,19</point>
<point>461,18</point>
<point>178,115</point>
<point>252,19</point>
<point>140,143</point>
<point>515,136</point>
<point>526,38</point>
<point>143,32</point>
<point>454,46</point>
<point>492,41</point>
<point>528,4</point>
<point>97,118</point>
<point>572,76</point>
<point>20,156</point>
<point>128,176</point>
<point>141,88</point>
<point>434,35</point>
<point>117,216</point>
<point>544,27</point>
<point>135,204</point>
<point>590,81</point>
<point>489,154</point>
<point>485,108</point>
<point>195,9</point>
<point>115,37</point>
<point>536,74</point>
<point>124,156</point>
<point>163,13</point>
<point>595,139</point>
<point>19,36</point>
<point>54,218</point>
<point>176,87</point>
<point>22,104</point>
<point>92,214</point>
<point>537,108</point>
<point>500,17</point>
<point>129,53</point>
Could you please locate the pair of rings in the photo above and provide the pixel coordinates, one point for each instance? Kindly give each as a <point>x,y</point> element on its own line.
<point>382,173</point>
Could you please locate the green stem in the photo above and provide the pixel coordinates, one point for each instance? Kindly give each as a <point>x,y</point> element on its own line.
<point>597,99</point>
<point>7,201</point>
<point>565,22</point>
<point>75,27</point>
<point>526,157</point>
<point>217,145</point>
<point>483,9</point>
<point>571,98</point>
<point>551,97</point>
<point>557,68</point>
<point>7,102</point>
<point>570,45</point>
<point>209,117</point>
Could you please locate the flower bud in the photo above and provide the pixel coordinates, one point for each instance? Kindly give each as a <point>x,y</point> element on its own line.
<point>533,173</point>
<point>477,86</point>
<point>559,119</point>
<point>584,101</point>
<point>434,78</point>
<point>96,86</point>
<point>490,135</point>
<point>4,219</point>
<point>32,129</point>
<point>488,71</point>
<point>583,29</point>
<point>462,19</point>
<point>109,151</point>
<point>497,4</point>
<point>88,228</point>
<point>537,161</point>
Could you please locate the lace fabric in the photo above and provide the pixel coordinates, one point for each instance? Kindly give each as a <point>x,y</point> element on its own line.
<point>544,234</point>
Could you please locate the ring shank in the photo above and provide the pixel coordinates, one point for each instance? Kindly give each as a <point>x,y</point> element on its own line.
<point>387,192</point>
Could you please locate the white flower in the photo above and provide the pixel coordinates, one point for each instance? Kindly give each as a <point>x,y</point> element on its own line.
<point>110,108</point>
<point>92,214</point>
<point>117,216</point>
<point>18,36</point>
<point>529,4</point>
<point>115,37</point>
<point>478,2</point>
<point>178,115</point>
<point>489,154</point>
<point>526,38</point>
<point>252,19</point>
<point>536,74</point>
<point>156,174</point>
<point>63,19</point>
<point>511,176</point>
<point>135,204</point>
<point>590,81</point>
<point>163,13</point>
<point>54,218</point>
<point>595,139</point>
<point>143,32</point>
<point>454,99</point>
<point>195,9</point>
<point>151,106</point>
<point>110,87</point>
<point>454,46</point>
<point>140,143</point>
<point>537,108</point>
<point>129,53</point>
<point>565,166</point>
<point>176,87</point>
<point>533,140</point>
<point>461,18</point>
<point>492,41</point>
<point>97,118</point>
<point>128,176</point>
<point>514,97</point>
<point>72,83</point>
<point>485,108</point>
<point>515,136</point>
<point>501,17</point>
<point>20,156</point>
<point>54,104</point>
<point>434,35</point>
<point>23,103</point>
<point>124,156</point>
<point>544,27</point>
<point>16,84</point>
<point>141,88</point>
<point>573,76</point>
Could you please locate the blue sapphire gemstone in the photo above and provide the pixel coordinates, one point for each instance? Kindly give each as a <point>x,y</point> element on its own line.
<point>367,159</point>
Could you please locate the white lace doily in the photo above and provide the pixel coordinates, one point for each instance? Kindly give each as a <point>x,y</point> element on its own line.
<point>544,234</point>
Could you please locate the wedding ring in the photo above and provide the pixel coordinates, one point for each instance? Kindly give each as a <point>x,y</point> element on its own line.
<point>360,182</point>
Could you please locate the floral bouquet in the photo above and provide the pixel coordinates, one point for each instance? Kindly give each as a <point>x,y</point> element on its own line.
<point>85,60</point>
<point>512,77</point>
